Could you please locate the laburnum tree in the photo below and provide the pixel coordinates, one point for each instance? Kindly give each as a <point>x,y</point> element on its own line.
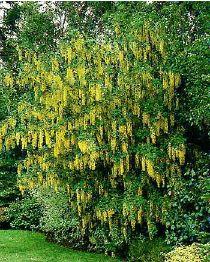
<point>98,119</point>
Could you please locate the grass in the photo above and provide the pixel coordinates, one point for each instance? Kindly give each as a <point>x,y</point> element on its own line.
<point>24,246</point>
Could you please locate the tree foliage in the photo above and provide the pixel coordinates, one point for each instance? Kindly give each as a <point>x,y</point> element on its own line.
<point>99,119</point>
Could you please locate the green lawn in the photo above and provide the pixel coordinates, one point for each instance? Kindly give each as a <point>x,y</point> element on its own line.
<point>24,246</point>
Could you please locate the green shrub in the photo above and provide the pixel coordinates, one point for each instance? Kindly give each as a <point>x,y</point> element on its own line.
<point>60,224</point>
<point>24,214</point>
<point>193,253</point>
<point>187,218</point>
<point>58,221</point>
<point>146,250</point>
<point>111,244</point>
<point>205,252</point>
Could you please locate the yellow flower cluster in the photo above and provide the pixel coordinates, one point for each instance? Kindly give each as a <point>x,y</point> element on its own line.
<point>105,215</point>
<point>83,146</point>
<point>8,80</point>
<point>177,153</point>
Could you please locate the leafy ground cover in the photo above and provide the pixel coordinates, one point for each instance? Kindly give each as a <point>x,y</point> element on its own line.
<point>24,246</point>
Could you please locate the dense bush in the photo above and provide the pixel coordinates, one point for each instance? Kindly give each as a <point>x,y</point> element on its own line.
<point>58,220</point>
<point>24,214</point>
<point>188,219</point>
<point>102,240</point>
<point>192,253</point>
<point>146,250</point>
<point>60,223</point>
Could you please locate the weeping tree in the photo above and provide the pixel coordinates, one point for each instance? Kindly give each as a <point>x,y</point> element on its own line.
<point>98,118</point>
